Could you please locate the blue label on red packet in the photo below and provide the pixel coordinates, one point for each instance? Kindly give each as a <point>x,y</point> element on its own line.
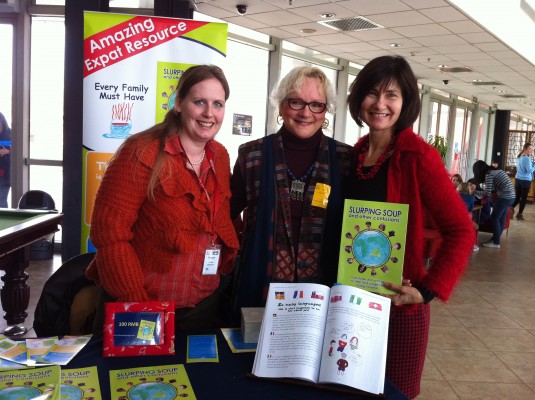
<point>138,328</point>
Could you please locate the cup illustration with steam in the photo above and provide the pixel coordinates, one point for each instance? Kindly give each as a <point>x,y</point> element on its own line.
<point>121,121</point>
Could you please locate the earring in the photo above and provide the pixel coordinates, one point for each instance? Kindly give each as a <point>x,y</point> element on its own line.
<point>325,124</point>
<point>280,120</point>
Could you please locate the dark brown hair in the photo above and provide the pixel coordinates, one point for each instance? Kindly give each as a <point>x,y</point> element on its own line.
<point>382,71</point>
<point>172,121</point>
<point>526,145</point>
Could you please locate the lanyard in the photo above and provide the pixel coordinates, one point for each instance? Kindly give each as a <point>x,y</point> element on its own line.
<point>214,205</point>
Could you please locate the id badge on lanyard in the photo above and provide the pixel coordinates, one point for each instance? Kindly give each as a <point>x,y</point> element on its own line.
<point>211,259</point>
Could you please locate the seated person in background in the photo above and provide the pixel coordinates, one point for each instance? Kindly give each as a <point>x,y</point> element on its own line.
<point>480,199</point>
<point>456,179</point>
<point>468,197</point>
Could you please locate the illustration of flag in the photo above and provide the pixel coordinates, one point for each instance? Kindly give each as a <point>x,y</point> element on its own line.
<point>301,294</point>
<point>355,299</point>
<point>317,295</point>
<point>279,295</point>
<point>295,294</point>
<point>376,306</point>
<point>335,298</point>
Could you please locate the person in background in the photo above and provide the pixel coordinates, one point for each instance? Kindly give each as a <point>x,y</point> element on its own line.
<point>395,165</point>
<point>480,199</point>
<point>524,175</point>
<point>5,161</point>
<point>456,179</point>
<point>467,195</point>
<point>161,221</point>
<point>290,183</point>
<point>495,164</point>
<point>499,185</point>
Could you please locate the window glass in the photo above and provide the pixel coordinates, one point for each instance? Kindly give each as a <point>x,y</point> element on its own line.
<point>353,131</point>
<point>49,179</point>
<point>246,69</point>
<point>6,83</point>
<point>460,120</point>
<point>46,87</point>
<point>433,120</point>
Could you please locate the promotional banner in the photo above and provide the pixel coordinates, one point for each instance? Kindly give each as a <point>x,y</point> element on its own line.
<point>132,65</point>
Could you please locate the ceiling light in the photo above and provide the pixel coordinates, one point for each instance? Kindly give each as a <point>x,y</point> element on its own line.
<point>476,80</point>
<point>395,45</point>
<point>308,30</point>
<point>326,15</point>
<point>442,66</point>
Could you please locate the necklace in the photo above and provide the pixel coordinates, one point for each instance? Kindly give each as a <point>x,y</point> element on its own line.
<point>197,162</point>
<point>380,161</point>
<point>297,189</point>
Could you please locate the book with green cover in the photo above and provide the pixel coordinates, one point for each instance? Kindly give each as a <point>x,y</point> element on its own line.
<point>159,382</point>
<point>372,245</point>
<point>34,383</point>
<point>80,383</point>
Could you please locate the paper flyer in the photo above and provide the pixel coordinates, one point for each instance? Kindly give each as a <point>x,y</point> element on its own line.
<point>16,354</point>
<point>372,245</point>
<point>161,382</point>
<point>132,65</point>
<point>34,383</point>
<point>235,341</point>
<point>80,383</point>
<point>64,350</point>
<point>35,348</point>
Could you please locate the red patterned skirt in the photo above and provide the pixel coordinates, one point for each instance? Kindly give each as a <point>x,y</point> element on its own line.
<point>407,343</point>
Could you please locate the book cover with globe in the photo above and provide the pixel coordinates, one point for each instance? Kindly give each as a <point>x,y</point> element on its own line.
<point>33,383</point>
<point>372,246</point>
<point>80,383</point>
<point>164,382</point>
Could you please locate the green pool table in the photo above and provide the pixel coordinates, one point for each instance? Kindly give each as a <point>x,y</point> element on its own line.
<point>19,229</point>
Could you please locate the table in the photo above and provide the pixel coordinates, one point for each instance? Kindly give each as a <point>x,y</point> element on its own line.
<point>224,380</point>
<point>19,229</point>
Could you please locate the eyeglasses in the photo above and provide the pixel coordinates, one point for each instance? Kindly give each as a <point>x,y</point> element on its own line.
<point>315,106</point>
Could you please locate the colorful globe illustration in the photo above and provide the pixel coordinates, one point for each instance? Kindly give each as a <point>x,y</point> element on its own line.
<point>69,392</point>
<point>152,390</point>
<point>371,248</point>
<point>19,393</point>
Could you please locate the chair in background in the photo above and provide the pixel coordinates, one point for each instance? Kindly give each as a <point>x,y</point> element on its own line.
<point>38,200</point>
<point>487,226</point>
<point>68,301</point>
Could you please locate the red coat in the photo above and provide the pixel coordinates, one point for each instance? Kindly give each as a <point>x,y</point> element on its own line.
<point>417,176</point>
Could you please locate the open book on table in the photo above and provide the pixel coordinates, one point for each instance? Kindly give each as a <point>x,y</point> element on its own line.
<point>335,335</point>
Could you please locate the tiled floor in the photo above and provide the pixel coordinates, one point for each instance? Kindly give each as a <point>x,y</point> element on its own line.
<point>482,342</point>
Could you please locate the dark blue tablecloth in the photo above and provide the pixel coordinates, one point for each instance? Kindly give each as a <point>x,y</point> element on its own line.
<point>224,380</point>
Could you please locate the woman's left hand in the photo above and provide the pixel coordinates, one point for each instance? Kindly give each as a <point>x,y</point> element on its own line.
<point>405,294</point>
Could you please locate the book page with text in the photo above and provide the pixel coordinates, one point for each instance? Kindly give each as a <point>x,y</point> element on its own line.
<point>356,339</point>
<point>292,330</point>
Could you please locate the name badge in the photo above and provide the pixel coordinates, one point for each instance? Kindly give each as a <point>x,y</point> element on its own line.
<point>211,260</point>
<point>321,195</point>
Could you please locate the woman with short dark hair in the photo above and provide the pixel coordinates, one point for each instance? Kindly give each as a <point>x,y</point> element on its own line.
<point>395,165</point>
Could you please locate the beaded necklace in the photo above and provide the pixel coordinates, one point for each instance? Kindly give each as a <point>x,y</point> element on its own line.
<point>380,161</point>
<point>297,189</point>
<point>197,162</point>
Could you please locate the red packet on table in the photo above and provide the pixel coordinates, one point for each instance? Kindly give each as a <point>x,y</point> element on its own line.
<point>139,328</point>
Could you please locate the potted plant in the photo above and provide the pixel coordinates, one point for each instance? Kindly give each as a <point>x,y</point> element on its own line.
<point>440,143</point>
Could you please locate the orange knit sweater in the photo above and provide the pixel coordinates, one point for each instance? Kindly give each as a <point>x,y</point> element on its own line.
<point>134,234</point>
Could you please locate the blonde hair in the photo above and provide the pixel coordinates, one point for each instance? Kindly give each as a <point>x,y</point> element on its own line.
<point>463,188</point>
<point>294,79</point>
